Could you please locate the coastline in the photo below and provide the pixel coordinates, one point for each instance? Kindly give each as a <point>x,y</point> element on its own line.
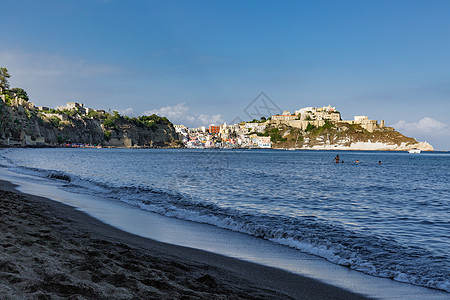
<point>51,249</point>
<point>315,148</point>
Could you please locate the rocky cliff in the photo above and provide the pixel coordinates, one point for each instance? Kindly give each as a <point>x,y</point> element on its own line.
<point>21,125</point>
<point>134,133</point>
<point>342,136</point>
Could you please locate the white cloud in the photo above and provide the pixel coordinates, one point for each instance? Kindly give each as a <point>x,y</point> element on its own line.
<point>180,114</point>
<point>127,112</point>
<point>425,125</point>
<point>171,112</point>
<point>427,129</point>
<point>207,119</point>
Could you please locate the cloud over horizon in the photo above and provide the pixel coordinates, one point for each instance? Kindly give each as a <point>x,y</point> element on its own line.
<point>425,125</point>
<point>180,114</point>
<point>426,129</point>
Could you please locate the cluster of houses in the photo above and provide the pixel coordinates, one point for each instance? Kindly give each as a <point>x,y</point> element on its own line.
<point>245,135</point>
<point>224,136</point>
<point>310,113</point>
<point>317,116</point>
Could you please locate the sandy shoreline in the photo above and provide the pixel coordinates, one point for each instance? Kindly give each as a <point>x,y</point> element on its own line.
<point>50,250</point>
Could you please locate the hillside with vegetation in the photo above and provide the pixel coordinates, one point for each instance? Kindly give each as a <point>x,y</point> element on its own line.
<point>339,135</point>
<point>23,124</point>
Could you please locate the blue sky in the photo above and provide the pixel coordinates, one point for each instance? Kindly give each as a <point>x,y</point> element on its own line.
<point>201,62</point>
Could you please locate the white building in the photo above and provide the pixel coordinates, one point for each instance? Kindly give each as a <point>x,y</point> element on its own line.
<point>283,117</point>
<point>74,106</point>
<point>181,129</point>
<point>319,113</point>
<point>361,119</point>
<point>304,110</point>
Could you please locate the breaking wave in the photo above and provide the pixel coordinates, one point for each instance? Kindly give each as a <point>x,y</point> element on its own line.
<point>369,254</point>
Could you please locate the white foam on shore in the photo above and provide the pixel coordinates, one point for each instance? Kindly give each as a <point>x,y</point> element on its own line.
<point>211,238</point>
<point>372,146</point>
<point>138,197</point>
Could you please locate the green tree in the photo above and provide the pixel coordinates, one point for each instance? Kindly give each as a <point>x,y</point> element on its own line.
<point>54,120</point>
<point>309,127</point>
<point>21,93</point>
<point>94,114</point>
<point>8,99</point>
<point>109,123</point>
<point>71,112</point>
<point>107,135</point>
<point>277,137</point>
<point>4,76</point>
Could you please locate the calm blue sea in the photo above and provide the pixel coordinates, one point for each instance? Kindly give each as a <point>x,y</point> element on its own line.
<point>388,220</point>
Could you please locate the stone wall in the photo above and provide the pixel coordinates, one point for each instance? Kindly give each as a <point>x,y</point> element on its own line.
<point>299,123</point>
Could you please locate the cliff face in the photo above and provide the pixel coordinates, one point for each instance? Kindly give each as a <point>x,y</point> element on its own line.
<point>21,125</point>
<point>132,135</point>
<point>341,136</point>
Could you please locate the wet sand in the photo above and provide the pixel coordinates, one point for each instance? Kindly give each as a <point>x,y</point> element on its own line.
<point>49,250</point>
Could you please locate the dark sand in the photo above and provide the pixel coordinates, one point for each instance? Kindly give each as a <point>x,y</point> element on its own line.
<point>49,250</point>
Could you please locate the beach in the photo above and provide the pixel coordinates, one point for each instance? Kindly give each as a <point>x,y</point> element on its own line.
<point>50,250</point>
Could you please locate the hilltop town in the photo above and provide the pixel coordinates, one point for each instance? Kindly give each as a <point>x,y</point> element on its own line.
<point>24,124</point>
<point>306,128</point>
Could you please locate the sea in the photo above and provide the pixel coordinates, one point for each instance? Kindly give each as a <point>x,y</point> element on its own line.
<point>387,215</point>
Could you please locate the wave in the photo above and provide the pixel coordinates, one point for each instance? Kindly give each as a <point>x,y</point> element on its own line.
<point>366,253</point>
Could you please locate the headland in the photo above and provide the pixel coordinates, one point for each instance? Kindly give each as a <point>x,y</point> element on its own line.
<point>76,125</point>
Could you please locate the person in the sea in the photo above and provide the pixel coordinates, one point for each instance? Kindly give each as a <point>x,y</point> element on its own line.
<point>336,159</point>
<point>379,162</point>
<point>357,161</point>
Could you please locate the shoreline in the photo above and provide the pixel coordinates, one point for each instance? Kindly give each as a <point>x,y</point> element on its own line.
<point>51,249</point>
<point>314,148</point>
<point>212,239</point>
<point>249,148</point>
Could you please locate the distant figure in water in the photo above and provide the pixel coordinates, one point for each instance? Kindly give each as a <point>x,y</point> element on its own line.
<point>342,161</point>
<point>357,161</point>
<point>336,158</point>
<point>379,162</point>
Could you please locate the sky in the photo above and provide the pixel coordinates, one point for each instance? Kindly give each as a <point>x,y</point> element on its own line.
<point>202,62</point>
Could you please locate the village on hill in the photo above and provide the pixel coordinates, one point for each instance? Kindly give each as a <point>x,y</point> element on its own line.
<point>306,128</point>
<point>264,133</point>
<point>24,124</point>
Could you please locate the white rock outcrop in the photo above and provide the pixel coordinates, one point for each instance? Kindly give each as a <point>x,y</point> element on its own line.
<point>423,146</point>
